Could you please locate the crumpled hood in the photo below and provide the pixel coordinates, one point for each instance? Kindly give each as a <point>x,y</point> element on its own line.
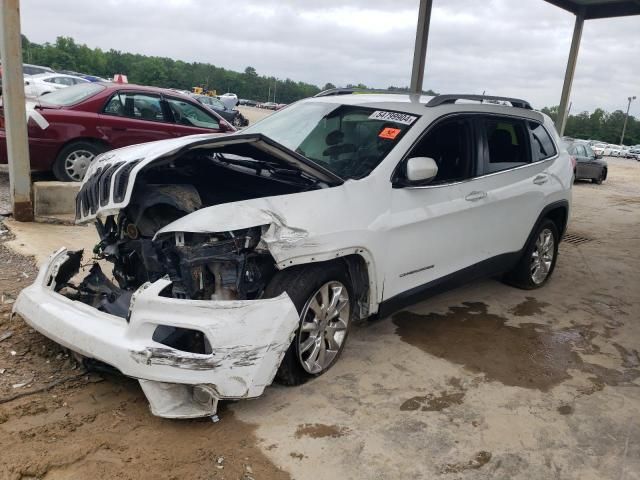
<point>220,218</point>
<point>227,217</point>
<point>108,185</point>
<point>146,151</point>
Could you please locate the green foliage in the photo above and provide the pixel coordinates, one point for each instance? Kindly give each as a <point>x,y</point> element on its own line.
<point>599,125</point>
<point>66,54</point>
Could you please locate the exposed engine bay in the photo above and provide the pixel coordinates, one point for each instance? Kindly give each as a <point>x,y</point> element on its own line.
<point>229,265</point>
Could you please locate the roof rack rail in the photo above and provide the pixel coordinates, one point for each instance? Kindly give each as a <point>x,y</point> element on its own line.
<point>335,91</point>
<point>350,91</point>
<point>452,98</point>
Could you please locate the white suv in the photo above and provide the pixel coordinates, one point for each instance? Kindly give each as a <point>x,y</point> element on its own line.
<point>240,257</point>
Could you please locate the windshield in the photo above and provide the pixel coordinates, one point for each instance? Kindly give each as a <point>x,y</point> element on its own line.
<point>72,95</point>
<point>348,140</point>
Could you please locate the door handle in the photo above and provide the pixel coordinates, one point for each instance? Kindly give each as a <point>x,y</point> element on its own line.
<point>475,196</point>
<point>541,179</point>
<point>119,129</point>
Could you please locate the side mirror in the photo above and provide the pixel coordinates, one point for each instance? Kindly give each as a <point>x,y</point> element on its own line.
<point>420,169</point>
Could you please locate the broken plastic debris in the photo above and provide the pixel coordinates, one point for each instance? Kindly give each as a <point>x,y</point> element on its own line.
<point>5,335</point>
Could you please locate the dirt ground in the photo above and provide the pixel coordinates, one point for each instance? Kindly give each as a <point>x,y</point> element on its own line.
<point>482,382</point>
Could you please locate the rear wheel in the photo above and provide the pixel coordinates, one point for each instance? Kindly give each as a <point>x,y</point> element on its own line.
<point>324,299</point>
<point>539,260</point>
<point>237,121</point>
<point>601,178</point>
<point>74,159</point>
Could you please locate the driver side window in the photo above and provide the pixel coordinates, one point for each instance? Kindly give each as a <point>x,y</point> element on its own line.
<point>450,144</point>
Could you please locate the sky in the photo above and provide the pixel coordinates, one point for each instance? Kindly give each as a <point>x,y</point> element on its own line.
<point>513,48</point>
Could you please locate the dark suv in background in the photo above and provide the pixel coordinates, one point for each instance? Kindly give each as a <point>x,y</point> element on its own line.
<point>589,166</point>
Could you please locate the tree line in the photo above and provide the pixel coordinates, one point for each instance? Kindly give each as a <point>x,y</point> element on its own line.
<point>66,54</point>
<point>600,125</point>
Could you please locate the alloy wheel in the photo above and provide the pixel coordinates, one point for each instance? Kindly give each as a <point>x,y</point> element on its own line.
<point>542,256</point>
<point>76,164</point>
<point>323,327</point>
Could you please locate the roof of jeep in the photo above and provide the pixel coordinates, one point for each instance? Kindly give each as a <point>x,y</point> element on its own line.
<point>413,103</point>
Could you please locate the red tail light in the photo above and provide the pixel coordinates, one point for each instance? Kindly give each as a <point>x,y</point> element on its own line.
<point>573,161</point>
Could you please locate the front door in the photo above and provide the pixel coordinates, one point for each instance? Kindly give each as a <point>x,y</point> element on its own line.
<point>433,227</point>
<point>190,119</point>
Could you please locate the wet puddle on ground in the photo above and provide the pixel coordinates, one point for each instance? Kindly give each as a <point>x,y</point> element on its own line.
<point>319,430</point>
<point>531,306</point>
<point>529,355</point>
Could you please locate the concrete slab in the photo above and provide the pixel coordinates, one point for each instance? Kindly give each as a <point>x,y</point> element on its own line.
<point>54,198</point>
<point>41,239</point>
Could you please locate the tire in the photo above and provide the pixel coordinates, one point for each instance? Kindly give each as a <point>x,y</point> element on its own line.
<point>601,178</point>
<point>522,275</point>
<point>73,160</point>
<point>237,121</point>
<point>303,284</point>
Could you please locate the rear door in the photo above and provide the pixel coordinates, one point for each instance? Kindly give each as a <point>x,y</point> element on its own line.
<point>514,181</point>
<point>190,118</point>
<point>131,117</point>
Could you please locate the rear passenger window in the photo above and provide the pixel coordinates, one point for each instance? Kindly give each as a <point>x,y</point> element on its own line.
<point>542,144</point>
<point>135,105</point>
<point>507,144</point>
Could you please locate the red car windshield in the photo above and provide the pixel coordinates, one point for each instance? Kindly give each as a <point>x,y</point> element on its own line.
<point>71,95</point>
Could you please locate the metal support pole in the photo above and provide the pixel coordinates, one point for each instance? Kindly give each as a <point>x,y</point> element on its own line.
<point>561,120</point>
<point>420,48</point>
<point>14,111</point>
<point>626,117</point>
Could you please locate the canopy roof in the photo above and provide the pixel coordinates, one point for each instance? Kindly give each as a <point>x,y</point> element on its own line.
<point>599,8</point>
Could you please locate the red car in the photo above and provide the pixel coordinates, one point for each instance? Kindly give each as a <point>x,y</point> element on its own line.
<point>69,127</point>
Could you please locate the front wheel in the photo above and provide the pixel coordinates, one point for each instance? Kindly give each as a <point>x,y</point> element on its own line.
<point>324,299</point>
<point>539,260</point>
<point>74,160</point>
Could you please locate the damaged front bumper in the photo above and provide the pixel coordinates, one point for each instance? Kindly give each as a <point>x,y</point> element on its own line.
<point>248,339</point>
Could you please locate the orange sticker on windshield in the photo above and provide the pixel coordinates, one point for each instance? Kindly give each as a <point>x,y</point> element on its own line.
<point>389,133</point>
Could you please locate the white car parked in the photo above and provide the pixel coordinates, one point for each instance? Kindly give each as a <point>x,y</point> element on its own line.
<point>611,151</point>
<point>599,148</point>
<point>230,100</point>
<point>43,83</point>
<point>240,258</point>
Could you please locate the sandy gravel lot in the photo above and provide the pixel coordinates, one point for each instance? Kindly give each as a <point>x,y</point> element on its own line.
<point>483,382</point>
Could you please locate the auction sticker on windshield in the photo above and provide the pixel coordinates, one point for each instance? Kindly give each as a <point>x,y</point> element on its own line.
<point>403,118</point>
<point>389,133</point>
